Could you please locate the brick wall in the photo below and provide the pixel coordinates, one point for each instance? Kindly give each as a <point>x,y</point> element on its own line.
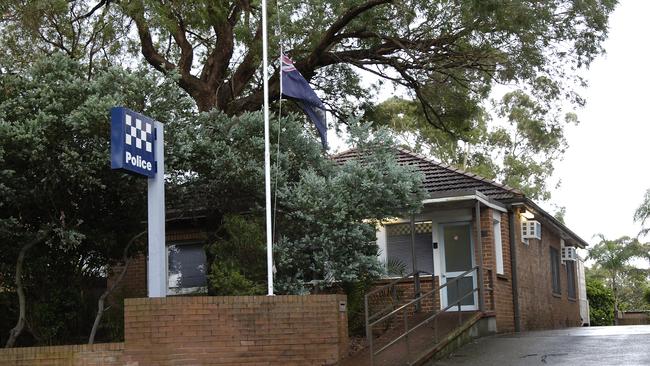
<point>503,283</point>
<point>231,330</point>
<point>106,354</point>
<point>539,307</point>
<point>500,300</point>
<point>235,330</point>
<point>134,283</point>
<point>487,245</point>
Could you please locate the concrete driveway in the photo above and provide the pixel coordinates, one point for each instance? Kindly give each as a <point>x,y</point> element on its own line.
<point>621,345</point>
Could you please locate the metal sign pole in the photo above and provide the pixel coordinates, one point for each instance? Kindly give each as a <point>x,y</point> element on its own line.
<point>157,261</point>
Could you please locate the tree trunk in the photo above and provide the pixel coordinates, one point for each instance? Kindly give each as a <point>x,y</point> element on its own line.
<point>109,290</point>
<point>20,290</point>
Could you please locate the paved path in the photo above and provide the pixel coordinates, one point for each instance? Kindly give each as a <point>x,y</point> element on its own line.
<point>621,345</point>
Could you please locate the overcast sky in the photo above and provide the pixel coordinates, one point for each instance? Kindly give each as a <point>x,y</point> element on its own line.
<point>605,172</point>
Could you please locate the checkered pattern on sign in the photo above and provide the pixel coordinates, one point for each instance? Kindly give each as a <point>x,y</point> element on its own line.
<point>139,133</point>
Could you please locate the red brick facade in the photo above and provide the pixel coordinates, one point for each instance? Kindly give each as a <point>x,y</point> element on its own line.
<point>540,308</point>
<point>498,287</point>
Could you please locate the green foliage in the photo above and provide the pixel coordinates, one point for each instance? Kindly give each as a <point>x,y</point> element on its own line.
<point>613,266</point>
<point>55,177</point>
<point>333,217</point>
<point>457,50</point>
<point>356,292</point>
<point>239,258</point>
<point>516,142</point>
<point>396,267</point>
<point>642,215</point>
<point>601,303</point>
<point>326,213</point>
<point>560,214</point>
<point>227,279</point>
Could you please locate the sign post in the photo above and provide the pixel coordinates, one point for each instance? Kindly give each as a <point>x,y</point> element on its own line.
<point>137,147</point>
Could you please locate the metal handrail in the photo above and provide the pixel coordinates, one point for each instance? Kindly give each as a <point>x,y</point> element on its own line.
<point>371,321</point>
<point>426,321</point>
<point>389,286</point>
<point>463,275</point>
<point>396,281</point>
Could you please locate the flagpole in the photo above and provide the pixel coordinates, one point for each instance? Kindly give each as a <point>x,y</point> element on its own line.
<point>267,155</point>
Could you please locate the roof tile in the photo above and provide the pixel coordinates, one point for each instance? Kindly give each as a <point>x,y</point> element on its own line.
<point>441,178</point>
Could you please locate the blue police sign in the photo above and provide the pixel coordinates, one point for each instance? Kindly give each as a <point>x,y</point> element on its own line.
<point>132,142</point>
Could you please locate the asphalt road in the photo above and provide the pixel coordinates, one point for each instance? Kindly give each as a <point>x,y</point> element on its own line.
<point>622,345</point>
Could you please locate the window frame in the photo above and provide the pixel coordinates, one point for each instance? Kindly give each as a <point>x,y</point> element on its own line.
<point>428,233</point>
<point>195,290</point>
<point>498,246</point>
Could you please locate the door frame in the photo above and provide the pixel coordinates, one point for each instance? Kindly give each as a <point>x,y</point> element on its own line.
<point>443,269</point>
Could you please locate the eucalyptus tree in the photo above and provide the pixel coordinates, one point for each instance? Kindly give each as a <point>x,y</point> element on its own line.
<point>439,51</point>
<point>520,150</point>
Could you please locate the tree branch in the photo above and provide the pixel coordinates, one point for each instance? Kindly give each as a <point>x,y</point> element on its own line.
<point>20,290</point>
<point>100,303</point>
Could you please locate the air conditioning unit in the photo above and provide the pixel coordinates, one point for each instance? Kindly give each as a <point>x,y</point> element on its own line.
<point>531,230</point>
<point>569,254</point>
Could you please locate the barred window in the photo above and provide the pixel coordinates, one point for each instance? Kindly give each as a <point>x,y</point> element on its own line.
<point>555,270</point>
<point>571,279</point>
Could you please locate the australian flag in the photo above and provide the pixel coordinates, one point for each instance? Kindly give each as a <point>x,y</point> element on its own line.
<point>295,87</point>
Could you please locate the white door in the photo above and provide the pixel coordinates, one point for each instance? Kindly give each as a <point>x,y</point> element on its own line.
<point>457,257</point>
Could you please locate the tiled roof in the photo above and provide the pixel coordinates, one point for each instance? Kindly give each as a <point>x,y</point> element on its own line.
<point>441,178</point>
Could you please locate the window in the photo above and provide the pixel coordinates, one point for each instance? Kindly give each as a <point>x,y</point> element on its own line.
<point>571,279</point>
<point>398,248</point>
<point>555,270</point>
<point>186,272</point>
<point>498,244</point>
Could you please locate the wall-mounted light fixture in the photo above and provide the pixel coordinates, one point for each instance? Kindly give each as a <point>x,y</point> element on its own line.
<point>526,214</point>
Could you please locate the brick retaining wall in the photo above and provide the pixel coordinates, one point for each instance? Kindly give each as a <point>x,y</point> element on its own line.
<point>105,354</point>
<point>229,330</point>
<point>235,330</point>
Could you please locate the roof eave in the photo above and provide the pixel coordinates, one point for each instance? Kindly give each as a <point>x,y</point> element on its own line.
<point>555,222</point>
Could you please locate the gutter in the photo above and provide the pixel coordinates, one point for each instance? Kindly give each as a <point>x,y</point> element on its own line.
<point>467,196</point>
<point>513,269</point>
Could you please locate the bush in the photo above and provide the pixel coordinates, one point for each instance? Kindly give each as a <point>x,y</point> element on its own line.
<point>601,303</point>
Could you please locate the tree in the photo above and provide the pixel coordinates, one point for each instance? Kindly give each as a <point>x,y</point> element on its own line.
<point>325,213</point>
<point>613,258</point>
<point>439,51</point>
<point>334,218</point>
<point>65,215</point>
<point>642,214</point>
<point>520,152</point>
